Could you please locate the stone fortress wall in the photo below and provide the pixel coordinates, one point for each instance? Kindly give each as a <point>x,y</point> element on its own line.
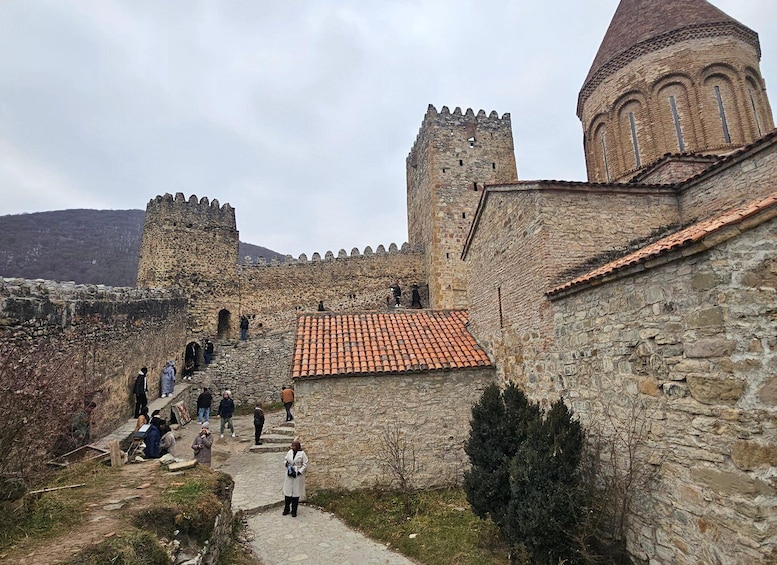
<point>105,335</point>
<point>192,245</point>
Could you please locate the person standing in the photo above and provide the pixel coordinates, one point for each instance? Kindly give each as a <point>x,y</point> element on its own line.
<point>168,379</point>
<point>397,291</point>
<point>296,462</point>
<point>243,327</point>
<point>201,446</point>
<point>258,424</point>
<point>140,390</point>
<point>416,298</point>
<point>204,402</point>
<point>287,397</point>
<point>208,351</point>
<point>226,409</point>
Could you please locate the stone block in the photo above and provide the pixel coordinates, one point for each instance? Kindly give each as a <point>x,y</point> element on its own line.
<point>751,455</point>
<point>768,392</point>
<point>731,483</point>
<point>712,389</point>
<point>709,347</point>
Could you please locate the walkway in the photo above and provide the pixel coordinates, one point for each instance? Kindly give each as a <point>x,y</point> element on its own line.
<point>314,537</point>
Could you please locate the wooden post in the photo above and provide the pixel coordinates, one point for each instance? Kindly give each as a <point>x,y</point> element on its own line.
<point>116,460</point>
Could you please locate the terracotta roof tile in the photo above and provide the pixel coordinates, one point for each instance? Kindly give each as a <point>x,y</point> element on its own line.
<point>369,343</point>
<point>690,235</point>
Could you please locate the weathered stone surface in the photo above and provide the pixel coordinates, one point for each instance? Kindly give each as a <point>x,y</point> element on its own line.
<point>650,386</point>
<point>710,347</point>
<point>751,455</point>
<point>730,483</point>
<point>768,392</point>
<point>183,465</point>
<point>710,389</point>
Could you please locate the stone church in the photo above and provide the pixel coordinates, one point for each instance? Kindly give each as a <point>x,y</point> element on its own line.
<point>645,298</point>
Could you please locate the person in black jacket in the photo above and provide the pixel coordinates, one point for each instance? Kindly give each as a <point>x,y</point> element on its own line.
<point>204,402</point>
<point>226,408</point>
<point>208,351</point>
<point>140,390</point>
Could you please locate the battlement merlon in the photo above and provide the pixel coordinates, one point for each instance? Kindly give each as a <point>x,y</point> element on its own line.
<point>467,121</point>
<point>342,255</point>
<point>210,212</point>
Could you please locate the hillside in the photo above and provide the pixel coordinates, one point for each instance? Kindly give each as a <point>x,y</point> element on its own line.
<point>85,246</point>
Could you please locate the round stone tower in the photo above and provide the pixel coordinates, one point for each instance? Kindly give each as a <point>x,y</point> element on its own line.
<point>670,77</point>
<point>187,243</point>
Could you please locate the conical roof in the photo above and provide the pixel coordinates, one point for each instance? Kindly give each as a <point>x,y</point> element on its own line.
<point>638,21</point>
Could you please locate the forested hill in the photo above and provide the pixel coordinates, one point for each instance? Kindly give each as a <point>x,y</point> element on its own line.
<point>85,246</point>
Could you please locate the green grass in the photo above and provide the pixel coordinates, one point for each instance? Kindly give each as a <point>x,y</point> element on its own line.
<point>447,532</point>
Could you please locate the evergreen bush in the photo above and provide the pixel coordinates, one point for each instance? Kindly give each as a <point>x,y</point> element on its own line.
<point>525,473</point>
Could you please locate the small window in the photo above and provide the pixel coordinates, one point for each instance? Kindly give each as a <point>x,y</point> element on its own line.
<point>464,215</point>
<point>447,255</point>
<point>722,110</point>
<point>475,186</point>
<point>676,120</point>
<point>444,169</point>
<point>461,163</point>
<point>634,140</point>
<point>493,166</point>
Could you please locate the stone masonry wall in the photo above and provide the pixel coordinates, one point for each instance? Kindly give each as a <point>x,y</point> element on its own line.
<point>106,334</point>
<point>454,155</point>
<point>688,70</point>
<point>754,175</point>
<point>254,370</point>
<point>341,421</point>
<point>693,340</point>
<point>540,230</point>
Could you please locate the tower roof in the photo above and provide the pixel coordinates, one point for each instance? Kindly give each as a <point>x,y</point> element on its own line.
<point>637,24</point>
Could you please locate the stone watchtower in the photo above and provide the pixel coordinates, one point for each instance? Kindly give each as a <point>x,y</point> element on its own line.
<point>187,244</point>
<point>671,76</point>
<point>454,155</point>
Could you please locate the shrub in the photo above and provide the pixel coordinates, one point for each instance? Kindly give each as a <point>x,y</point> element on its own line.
<point>524,473</point>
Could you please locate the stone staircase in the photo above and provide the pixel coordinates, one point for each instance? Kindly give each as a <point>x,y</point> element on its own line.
<point>277,440</point>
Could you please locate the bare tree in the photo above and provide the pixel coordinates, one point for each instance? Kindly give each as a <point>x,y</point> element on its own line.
<point>398,460</point>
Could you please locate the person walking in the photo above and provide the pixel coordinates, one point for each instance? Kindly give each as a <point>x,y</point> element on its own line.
<point>416,298</point>
<point>296,462</point>
<point>202,446</point>
<point>258,424</point>
<point>226,409</point>
<point>168,379</point>
<point>397,292</point>
<point>287,397</point>
<point>140,390</point>
<point>208,351</point>
<point>204,402</point>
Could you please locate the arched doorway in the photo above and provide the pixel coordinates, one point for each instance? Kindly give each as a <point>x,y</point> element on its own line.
<point>224,326</point>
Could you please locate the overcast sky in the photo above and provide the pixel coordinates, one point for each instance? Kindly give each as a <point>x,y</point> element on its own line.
<point>299,114</point>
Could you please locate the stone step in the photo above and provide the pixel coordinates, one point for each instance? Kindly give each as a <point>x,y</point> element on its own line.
<point>286,429</point>
<point>269,448</point>
<point>277,438</point>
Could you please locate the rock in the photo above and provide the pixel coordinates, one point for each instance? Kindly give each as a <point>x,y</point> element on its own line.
<point>712,389</point>
<point>182,465</point>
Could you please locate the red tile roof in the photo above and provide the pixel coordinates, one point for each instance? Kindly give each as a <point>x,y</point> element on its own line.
<point>378,343</point>
<point>683,238</point>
